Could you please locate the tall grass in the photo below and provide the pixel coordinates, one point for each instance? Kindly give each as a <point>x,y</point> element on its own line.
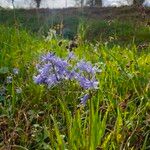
<point>116,117</point>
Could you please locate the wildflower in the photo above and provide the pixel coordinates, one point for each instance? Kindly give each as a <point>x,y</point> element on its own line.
<point>52,70</point>
<point>71,56</point>
<point>87,67</point>
<point>39,79</point>
<point>87,83</point>
<point>52,80</point>
<point>9,79</point>
<point>48,57</point>
<point>71,75</point>
<point>84,99</point>
<point>15,71</point>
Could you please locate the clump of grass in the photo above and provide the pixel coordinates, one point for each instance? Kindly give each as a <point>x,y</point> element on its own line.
<point>116,117</point>
<point>116,32</point>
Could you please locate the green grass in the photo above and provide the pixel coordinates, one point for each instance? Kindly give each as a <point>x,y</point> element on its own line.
<point>116,117</point>
<point>117,32</point>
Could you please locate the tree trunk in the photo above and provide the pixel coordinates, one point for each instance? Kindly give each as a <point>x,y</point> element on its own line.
<point>98,2</point>
<point>38,2</point>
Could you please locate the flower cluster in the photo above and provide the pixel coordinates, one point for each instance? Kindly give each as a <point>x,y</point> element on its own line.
<point>53,70</point>
<point>86,75</point>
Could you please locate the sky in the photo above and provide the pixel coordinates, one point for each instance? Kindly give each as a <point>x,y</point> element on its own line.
<point>63,3</point>
<point>44,3</point>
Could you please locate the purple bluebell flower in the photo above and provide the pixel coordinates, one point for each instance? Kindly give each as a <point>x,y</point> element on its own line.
<point>51,70</point>
<point>84,99</point>
<point>71,74</point>
<point>45,69</point>
<point>39,79</point>
<point>52,80</point>
<point>9,80</point>
<point>15,71</point>
<point>87,67</point>
<point>48,57</point>
<point>87,83</point>
<point>60,64</point>
<point>70,56</point>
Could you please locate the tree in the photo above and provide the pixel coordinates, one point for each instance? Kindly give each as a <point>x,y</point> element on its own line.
<point>79,3</point>
<point>90,2</point>
<point>94,2</point>
<point>138,2</point>
<point>12,3</point>
<point>98,2</point>
<point>38,2</point>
